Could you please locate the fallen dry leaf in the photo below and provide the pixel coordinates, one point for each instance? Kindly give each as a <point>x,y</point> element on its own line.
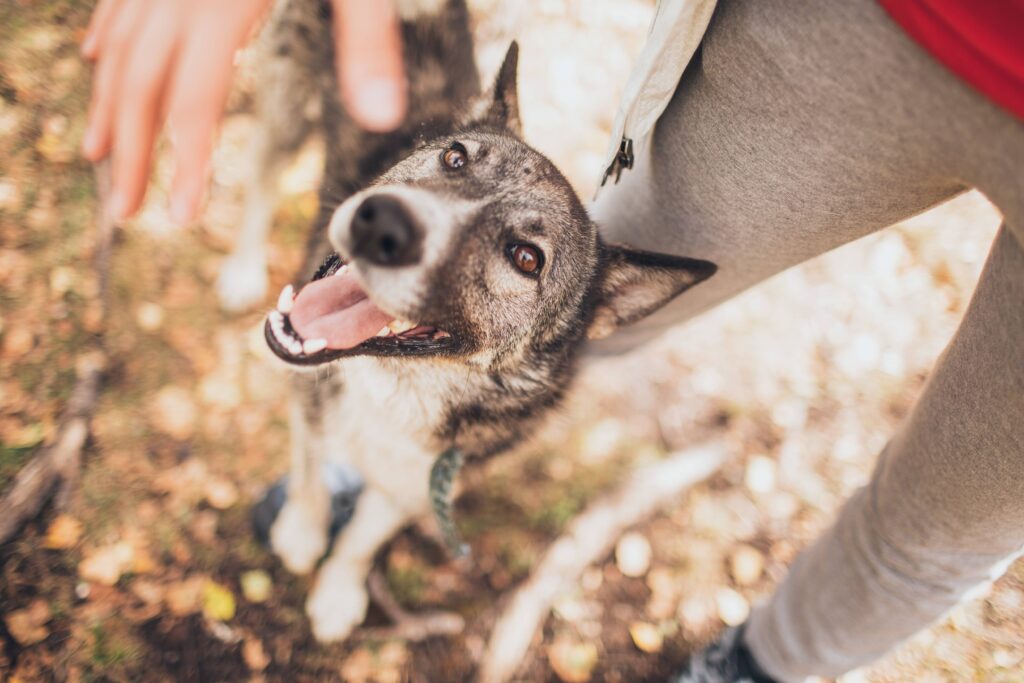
<point>218,602</point>
<point>220,492</point>
<point>28,625</point>
<point>149,316</point>
<point>647,637</point>
<point>256,585</point>
<point>17,342</point>
<point>63,533</point>
<point>358,667</point>
<point>571,660</point>
<point>173,412</point>
<point>254,655</point>
<point>185,597</point>
<point>149,592</point>
<point>106,565</point>
<point>633,554</point>
<point>733,608</point>
<point>746,565</point>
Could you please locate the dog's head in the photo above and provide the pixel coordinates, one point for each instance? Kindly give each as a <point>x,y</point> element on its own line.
<point>474,247</point>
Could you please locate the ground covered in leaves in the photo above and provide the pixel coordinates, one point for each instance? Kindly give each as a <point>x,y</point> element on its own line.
<point>151,573</point>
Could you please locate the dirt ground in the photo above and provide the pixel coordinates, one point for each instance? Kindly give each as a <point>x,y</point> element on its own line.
<point>152,572</point>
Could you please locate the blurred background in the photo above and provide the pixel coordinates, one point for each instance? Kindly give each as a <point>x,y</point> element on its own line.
<point>151,572</point>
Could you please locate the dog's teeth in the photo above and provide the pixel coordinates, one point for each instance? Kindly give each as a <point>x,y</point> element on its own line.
<point>342,270</point>
<point>286,299</point>
<point>384,331</point>
<point>311,346</point>
<point>441,334</point>
<point>400,326</point>
<point>294,346</point>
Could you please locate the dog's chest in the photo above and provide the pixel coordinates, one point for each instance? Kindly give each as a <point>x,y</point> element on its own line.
<point>386,423</point>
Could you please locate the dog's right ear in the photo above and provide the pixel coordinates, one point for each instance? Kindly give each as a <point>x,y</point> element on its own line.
<point>499,108</point>
<point>637,283</point>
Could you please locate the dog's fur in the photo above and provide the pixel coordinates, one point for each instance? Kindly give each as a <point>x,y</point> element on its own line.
<point>389,408</point>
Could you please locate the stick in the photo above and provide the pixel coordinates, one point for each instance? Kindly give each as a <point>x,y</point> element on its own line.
<point>405,625</point>
<point>55,468</point>
<point>589,538</point>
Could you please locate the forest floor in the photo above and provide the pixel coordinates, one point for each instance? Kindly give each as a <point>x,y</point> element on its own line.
<point>153,574</point>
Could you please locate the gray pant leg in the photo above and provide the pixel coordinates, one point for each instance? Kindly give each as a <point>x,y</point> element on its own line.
<point>802,126</point>
<point>806,125</point>
<point>943,512</point>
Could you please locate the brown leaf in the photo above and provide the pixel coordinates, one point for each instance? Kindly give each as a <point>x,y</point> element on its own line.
<point>746,565</point>
<point>184,597</point>
<point>28,625</point>
<point>17,342</point>
<point>63,533</point>
<point>254,655</point>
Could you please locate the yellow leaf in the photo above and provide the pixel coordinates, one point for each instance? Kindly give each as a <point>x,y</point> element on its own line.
<point>646,636</point>
<point>218,602</point>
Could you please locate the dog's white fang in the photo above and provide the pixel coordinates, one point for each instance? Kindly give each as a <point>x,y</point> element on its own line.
<point>311,346</point>
<point>384,331</point>
<point>285,299</point>
<point>399,326</point>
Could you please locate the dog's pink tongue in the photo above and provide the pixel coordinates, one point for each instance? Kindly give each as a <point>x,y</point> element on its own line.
<point>336,308</point>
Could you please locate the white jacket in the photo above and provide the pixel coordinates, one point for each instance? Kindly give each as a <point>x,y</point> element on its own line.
<point>676,30</point>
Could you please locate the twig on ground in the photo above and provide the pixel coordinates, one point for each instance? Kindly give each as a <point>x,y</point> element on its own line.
<point>406,626</point>
<point>589,537</point>
<point>54,469</point>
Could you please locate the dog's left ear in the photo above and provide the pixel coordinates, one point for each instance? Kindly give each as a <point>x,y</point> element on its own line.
<point>502,106</point>
<point>637,283</point>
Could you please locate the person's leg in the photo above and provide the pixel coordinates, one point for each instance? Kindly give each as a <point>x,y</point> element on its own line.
<point>804,126</point>
<point>801,126</point>
<point>943,513</point>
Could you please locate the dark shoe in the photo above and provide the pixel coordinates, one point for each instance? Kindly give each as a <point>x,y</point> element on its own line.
<point>344,484</point>
<point>727,660</point>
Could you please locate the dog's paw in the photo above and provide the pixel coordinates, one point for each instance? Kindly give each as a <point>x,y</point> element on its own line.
<point>242,283</point>
<point>338,602</point>
<point>299,537</point>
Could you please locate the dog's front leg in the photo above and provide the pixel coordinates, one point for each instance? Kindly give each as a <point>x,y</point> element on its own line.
<point>299,535</point>
<point>339,599</point>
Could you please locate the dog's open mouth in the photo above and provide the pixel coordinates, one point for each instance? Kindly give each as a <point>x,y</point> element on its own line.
<point>332,317</point>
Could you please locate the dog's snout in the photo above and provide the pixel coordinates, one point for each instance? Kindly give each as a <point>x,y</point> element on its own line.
<point>385,233</point>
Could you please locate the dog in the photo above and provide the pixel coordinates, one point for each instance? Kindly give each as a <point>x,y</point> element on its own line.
<point>462,278</point>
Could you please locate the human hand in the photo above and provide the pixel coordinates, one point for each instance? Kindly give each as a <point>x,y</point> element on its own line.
<point>172,60</point>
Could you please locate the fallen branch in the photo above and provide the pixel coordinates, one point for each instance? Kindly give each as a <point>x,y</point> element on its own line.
<point>54,469</point>
<point>589,537</point>
<point>405,625</point>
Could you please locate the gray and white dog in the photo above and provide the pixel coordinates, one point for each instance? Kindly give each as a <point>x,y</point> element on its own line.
<point>462,280</point>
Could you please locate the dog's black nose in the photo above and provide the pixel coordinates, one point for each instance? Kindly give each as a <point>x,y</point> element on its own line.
<point>384,233</point>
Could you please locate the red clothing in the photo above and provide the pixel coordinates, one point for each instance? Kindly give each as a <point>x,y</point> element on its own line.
<point>982,41</point>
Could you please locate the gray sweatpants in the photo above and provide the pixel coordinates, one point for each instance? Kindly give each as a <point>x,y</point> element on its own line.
<point>802,126</point>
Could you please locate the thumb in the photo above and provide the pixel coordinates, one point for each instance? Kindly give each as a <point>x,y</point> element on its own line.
<point>370,68</point>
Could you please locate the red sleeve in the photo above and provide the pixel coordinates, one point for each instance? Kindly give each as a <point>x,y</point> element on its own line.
<point>982,41</point>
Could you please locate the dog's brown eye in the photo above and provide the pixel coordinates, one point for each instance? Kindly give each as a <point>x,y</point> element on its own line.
<point>455,157</point>
<point>525,257</point>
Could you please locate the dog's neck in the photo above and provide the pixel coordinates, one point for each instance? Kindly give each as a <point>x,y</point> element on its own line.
<point>435,404</point>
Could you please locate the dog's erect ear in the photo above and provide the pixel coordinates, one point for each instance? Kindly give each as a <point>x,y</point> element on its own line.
<point>637,283</point>
<point>502,107</point>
